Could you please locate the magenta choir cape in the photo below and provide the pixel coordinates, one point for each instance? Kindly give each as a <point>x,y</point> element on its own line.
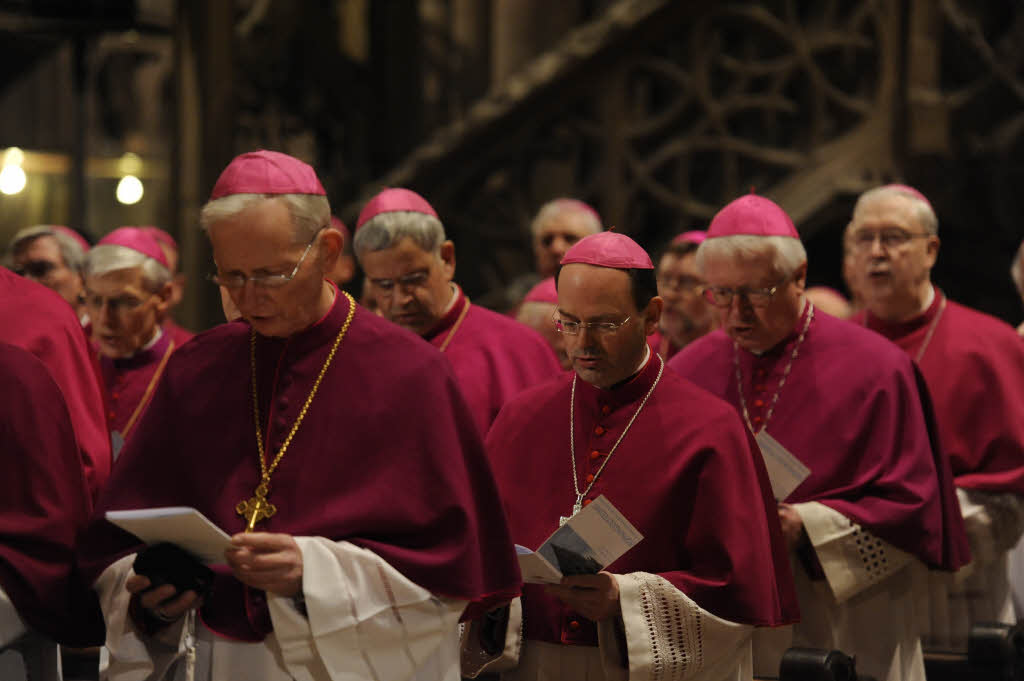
<point>856,412</point>
<point>687,475</point>
<point>42,322</point>
<point>387,458</point>
<point>46,503</point>
<point>494,357</point>
<point>974,366</point>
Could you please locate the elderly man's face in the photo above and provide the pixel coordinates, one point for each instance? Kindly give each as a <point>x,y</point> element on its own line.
<point>591,296</point>
<point>555,237</point>
<point>123,312</point>
<point>40,260</point>
<point>259,241</point>
<point>756,328</point>
<point>687,313</point>
<point>538,316</point>
<point>885,272</point>
<point>411,286</point>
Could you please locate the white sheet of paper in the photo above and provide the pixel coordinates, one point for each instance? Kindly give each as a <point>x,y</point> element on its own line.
<point>183,526</point>
<point>785,471</point>
<point>535,569</point>
<point>598,535</point>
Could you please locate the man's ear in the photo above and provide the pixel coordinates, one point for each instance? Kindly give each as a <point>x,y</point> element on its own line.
<point>652,315</point>
<point>448,259</point>
<point>800,277</point>
<point>332,241</point>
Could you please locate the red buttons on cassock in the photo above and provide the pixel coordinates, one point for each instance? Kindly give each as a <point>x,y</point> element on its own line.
<point>605,409</point>
<point>586,502</point>
<point>757,419</point>
<point>758,403</point>
<point>590,478</point>
<point>574,624</point>
<point>595,454</point>
<point>759,388</point>
<point>599,431</point>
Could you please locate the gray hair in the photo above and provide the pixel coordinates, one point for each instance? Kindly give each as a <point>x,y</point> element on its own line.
<point>1016,267</point>
<point>922,209</point>
<point>387,229</point>
<point>309,212</point>
<point>70,250</point>
<point>107,258</point>
<point>553,209</point>
<point>788,254</point>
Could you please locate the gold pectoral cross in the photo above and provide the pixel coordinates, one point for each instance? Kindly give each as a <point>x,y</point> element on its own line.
<point>257,508</point>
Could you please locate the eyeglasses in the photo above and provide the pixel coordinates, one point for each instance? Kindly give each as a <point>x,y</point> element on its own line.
<point>720,296</point>
<point>36,269</point>
<point>115,305</point>
<point>686,284</point>
<point>236,280</point>
<point>571,328</point>
<point>891,238</point>
<point>386,287</point>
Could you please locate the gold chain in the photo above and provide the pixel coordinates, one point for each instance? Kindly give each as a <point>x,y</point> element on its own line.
<point>257,508</point>
<point>455,326</point>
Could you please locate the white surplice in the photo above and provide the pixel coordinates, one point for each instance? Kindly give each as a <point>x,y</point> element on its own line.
<point>364,620</point>
<point>866,606</point>
<point>668,637</point>
<point>980,591</point>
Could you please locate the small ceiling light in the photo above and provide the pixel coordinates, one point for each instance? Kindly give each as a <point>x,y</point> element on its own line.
<point>129,190</point>
<point>12,180</point>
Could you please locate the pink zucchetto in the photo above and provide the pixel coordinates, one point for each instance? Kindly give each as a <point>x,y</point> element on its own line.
<point>752,215</point>
<point>161,236</point>
<point>340,226</point>
<point>392,200</point>
<point>693,237</point>
<point>267,172</point>
<point>907,189</point>
<point>79,239</point>
<point>137,239</point>
<point>544,292</point>
<point>609,249</point>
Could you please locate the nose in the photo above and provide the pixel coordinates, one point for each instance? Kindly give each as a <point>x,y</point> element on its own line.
<point>877,250</point>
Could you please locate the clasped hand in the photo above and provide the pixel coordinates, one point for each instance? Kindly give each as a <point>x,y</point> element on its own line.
<point>596,597</point>
<point>261,560</point>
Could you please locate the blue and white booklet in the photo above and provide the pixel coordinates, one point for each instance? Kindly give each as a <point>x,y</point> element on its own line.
<point>590,541</point>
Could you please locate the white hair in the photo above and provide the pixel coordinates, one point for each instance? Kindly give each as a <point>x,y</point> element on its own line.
<point>70,250</point>
<point>309,212</point>
<point>558,207</point>
<point>107,258</point>
<point>1016,267</point>
<point>922,209</point>
<point>788,254</point>
<point>387,229</point>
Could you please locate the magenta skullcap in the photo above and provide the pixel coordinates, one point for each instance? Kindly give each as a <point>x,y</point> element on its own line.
<point>67,231</point>
<point>161,236</point>
<point>608,249</point>
<point>544,292</point>
<point>392,200</point>
<point>696,236</point>
<point>137,239</point>
<point>267,172</point>
<point>752,215</point>
<point>340,226</point>
<point>907,189</point>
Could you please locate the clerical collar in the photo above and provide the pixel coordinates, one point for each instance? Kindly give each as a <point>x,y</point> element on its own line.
<point>317,335</point>
<point>451,314</point>
<point>625,391</point>
<point>153,351</point>
<point>899,329</point>
<point>789,338</point>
